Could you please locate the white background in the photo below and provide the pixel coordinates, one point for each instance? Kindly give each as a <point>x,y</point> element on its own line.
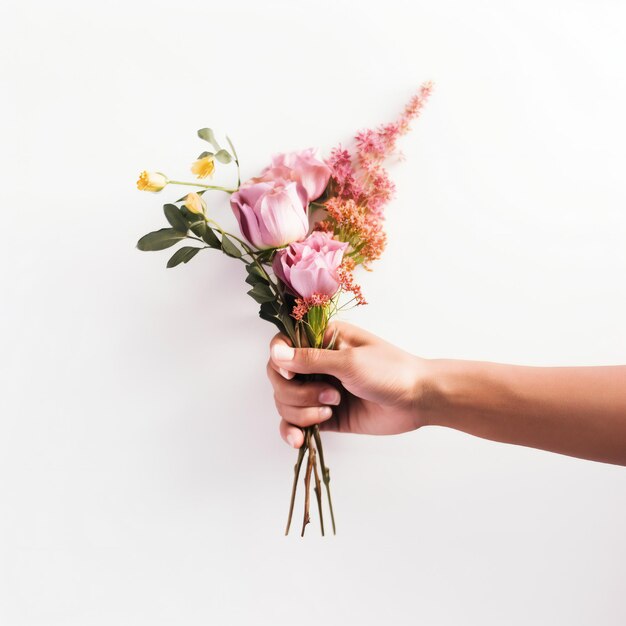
<point>142,479</point>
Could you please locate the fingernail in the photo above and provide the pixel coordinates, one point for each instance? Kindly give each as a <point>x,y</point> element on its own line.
<point>330,396</point>
<point>291,440</point>
<point>282,352</point>
<point>285,373</point>
<point>325,412</point>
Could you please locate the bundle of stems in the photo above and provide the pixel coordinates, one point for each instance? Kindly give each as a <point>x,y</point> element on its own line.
<point>313,450</point>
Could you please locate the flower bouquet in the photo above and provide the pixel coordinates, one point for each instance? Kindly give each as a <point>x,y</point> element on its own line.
<point>306,224</point>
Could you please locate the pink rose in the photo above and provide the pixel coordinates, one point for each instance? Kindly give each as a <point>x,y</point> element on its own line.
<point>271,214</point>
<point>303,167</point>
<point>310,267</point>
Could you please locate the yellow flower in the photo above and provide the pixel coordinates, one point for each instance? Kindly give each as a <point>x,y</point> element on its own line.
<point>151,181</point>
<point>195,203</point>
<point>203,167</point>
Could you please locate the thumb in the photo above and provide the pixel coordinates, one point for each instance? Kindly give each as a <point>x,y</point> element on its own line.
<point>309,360</point>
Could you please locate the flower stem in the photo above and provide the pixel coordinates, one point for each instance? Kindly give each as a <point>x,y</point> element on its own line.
<point>318,491</point>
<point>296,475</point>
<point>230,143</point>
<point>325,474</point>
<point>307,483</point>
<point>215,187</point>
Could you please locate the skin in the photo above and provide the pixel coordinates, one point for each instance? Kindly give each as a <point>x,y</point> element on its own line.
<point>373,387</point>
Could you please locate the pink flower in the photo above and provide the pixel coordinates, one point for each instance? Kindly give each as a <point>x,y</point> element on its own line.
<point>271,214</point>
<point>304,167</point>
<point>310,267</point>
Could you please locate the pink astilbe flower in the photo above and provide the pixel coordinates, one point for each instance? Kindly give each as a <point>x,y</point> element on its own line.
<point>360,187</point>
<point>346,275</point>
<point>362,177</point>
<point>353,223</point>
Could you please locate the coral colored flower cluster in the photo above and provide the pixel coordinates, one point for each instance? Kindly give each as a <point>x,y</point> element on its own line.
<point>354,224</point>
<point>303,305</point>
<point>362,177</point>
<point>346,279</point>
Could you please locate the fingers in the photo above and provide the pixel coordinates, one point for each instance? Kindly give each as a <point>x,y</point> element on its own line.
<point>301,404</point>
<point>304,416</point>
<point>291,434</point>
<point>347,335</point>
<point>281,339</point>
<point>309,360</point>
<point>302,393</point>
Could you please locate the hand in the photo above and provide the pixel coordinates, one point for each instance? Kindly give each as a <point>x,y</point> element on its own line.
<point>372,387</point>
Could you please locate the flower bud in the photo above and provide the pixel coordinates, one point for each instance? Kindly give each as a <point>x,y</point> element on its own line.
<point>195,203</point>
<point>203,167</point>
<point>151,181</point>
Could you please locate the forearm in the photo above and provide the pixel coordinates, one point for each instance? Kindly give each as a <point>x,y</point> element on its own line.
<point>578,411</point>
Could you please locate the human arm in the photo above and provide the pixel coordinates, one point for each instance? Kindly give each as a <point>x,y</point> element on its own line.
<point>380,389</point>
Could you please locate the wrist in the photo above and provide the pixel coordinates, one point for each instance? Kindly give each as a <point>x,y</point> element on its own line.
<point>428,391</point>
<point>439,390</point>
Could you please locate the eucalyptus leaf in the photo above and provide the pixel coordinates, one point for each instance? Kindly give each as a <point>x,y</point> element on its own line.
<point>274,320</point>
<point>183,255</point>
<point>265,256</point>
<point>269,312</point>
<point>223,156</point>
<point>208,135</point>
<point>211,238</point>
<point>262,293</point>
<point>256,274</point>
<point>270,307</point>
<point>197,224</point>
<point>230,248</point>
<point>288,324</point>
<point>160,239</point>
<point>175,218</point>
<point>205,154</point>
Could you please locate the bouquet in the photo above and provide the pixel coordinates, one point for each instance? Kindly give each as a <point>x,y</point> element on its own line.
<point>306,224</point>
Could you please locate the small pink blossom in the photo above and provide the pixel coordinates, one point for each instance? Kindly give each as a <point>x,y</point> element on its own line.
<point>310,267</point>
<point>362,177</point>
<point>304,167</point>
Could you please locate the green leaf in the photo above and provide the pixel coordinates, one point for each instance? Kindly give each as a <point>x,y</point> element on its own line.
<point>208,135</point>
<point>256,274</point>
<point>211,238</point>
<point>269,312</point>
<point>205,154</point>
<point>288,323</point>
<point>160,239</point>
<point>183,255</point>
<point>175,218</point>
<point>230,248</point>
<point>265,256</point>
<point>196,223</point>
<point>262,293</point>
<point>223,156</point>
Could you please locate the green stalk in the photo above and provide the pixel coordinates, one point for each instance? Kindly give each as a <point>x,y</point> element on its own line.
<point>215,187</point>
<point>296,475</point>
